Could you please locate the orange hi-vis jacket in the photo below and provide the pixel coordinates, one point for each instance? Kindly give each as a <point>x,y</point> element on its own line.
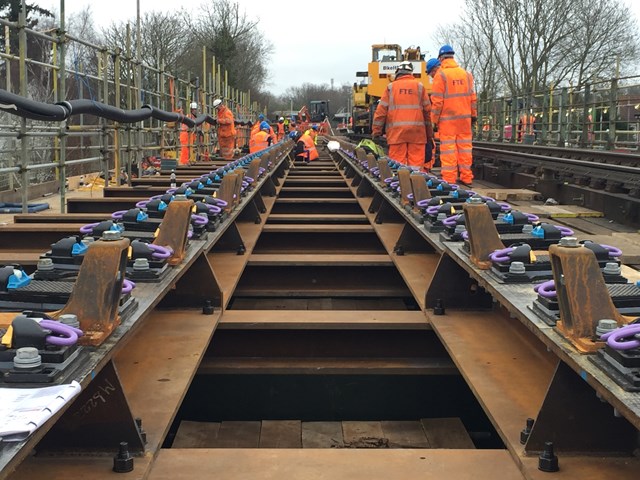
<point>453,98</point>
<point>309,146</point>
<point>281,132</point>
<point>405,109</point>
<point>226,124</point>
<point>259,141</point>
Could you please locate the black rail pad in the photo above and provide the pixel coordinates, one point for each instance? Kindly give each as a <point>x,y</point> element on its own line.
<point>623,366</point>
<point>625,297</point>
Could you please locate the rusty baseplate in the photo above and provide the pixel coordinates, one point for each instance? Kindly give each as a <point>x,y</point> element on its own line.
<point>96,293</point>
<point>175,228</point>
<point>583,297</point>
<point>483,235</point>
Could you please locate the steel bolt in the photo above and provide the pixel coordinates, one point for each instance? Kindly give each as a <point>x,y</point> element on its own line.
<point>69,319</point>
<point>27,358</point>
<point>110,235</point>
<point>605,325</point>
<point>612,268</point>
<point>459,229</point>
<point>475,200</point>
<point>140,264</point>
<point>45,265</point>
<point>123,461</point>
<point>207,309</point>
<point>439,308</point>
<point>548,461</point>
<point>569,242</point>
<point>527,228</point>
<point>143,434</point>
<point>517,268</point>
<point>524,434</point>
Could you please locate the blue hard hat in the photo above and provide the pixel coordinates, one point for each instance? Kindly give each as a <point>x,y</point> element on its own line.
<point>314,127</point>
<point>432,63</point>
<point>265,126</point>
<point>260,117</point>
<point>446,50</point>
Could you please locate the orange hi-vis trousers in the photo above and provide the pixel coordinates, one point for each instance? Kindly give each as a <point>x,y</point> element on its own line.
<point>455,156</point>
<point>411,154</point>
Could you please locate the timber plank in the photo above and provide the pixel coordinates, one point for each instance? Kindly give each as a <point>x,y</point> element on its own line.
<point>281,434</point>
<point>322,435</point>
<point>233,434</point>
<point>405,434</point>
<point>196,434</point>
<point>446,433</point>
<point>363,435</point>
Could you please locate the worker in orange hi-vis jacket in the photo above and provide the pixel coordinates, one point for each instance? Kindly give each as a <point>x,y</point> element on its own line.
<point>453,112</point>
<point>187,138</point>
<point>404,110</point>
<point>226,129</point>
<point>433,67</point>
<point>261,139</point>
<point>280,132</point>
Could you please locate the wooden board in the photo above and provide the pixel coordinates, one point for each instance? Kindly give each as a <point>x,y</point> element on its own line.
<point>234,434</point>
<point>363,435</point>
<point>405,434</point>
<point>322,435</point>
<point>196,434</point>
<point>508,193</point>
<point>446,433</point>
<point>281,434</point>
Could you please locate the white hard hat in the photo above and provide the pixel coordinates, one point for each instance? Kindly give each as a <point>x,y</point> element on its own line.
<point>405,66</point>
<point>193,105</point>
<point>217,102</point>
<point>281,119</point>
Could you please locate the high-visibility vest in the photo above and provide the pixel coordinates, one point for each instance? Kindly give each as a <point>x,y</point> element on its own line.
<point>259,141</point>
<point>309,146</point>
<point>405,111</point>
<point>453,97</point>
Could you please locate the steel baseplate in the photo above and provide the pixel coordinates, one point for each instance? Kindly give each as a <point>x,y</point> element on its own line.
<point>96,294</point>
<point>483,235</point>
<point>174,229</point>
<point>583,296</point>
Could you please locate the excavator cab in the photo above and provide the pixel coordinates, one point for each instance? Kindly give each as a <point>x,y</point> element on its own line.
<point>319,110</point>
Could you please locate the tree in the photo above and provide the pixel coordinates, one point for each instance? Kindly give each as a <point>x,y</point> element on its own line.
<point>164,39</point>
<point>10,10</point>
<point>238,45</point>
<point>534,44</point>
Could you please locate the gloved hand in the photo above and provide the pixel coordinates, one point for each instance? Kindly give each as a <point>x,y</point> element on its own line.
<point>474,120</point>
<point>374,135</point>
<point>435,127</point>
<point>431,146</point>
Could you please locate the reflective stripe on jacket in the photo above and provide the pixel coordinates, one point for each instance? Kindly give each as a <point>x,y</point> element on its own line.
<point>405,109</point>
<point>453,98</point>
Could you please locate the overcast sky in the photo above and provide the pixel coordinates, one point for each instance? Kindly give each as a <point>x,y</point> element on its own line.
<point>314,42</point>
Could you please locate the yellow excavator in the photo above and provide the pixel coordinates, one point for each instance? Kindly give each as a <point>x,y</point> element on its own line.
<point>385,59</point>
